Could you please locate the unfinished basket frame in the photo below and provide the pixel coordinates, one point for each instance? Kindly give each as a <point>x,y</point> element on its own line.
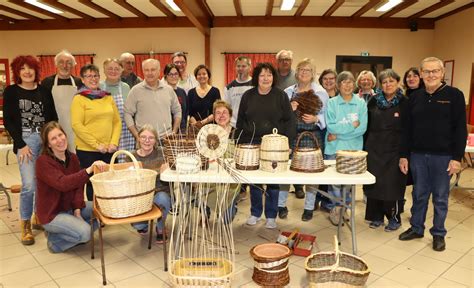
<point>307,159</point>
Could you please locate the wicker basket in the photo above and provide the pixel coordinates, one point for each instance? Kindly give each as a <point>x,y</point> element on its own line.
<point>181,145</point>
<point>124,193</point>
<point>351,161</point>
<point>247,156</point>
<point>336,269</point>
<point>271,264</point>
<point>201,272</point>
<point>309,159</point>
<point>274,152</point>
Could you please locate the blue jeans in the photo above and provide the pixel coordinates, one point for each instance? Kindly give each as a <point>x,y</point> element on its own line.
<point>28,176</point>
<point>429,177</point>
<point>66,230</point>
<point>337,190</point>
<point>271,200</point>
<point>163,201</point>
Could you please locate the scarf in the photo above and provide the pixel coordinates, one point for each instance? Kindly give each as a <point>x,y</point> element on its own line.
<point>93,94</point>
<point>382,102</point>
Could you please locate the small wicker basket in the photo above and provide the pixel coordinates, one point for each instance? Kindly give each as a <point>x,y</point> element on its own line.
<point>247,156</point>
<point>124,193</point>
<point>336,269</point>
<point>351,161</point>
<point>201,272</point>
<point>181,145</point>
<point>309,160</point>
<point>271,264</point>
<point>274,152</point>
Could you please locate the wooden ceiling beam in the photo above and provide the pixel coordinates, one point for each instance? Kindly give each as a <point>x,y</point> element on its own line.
<point>19,13</point>
<point>206,8</point>
<point>371,4</point>
<point>455,11</point>
<point>238,8</point>
<point>99,23</point>
<point>56,4</point>
<point>36,9</point>
<point>163,8</point>
<point>7,18</point>
<point>269,10</point>
<point>431,8</point>
<point>400,7</point>
<point>334,7</point>
<point>131,8</point>
<point>320,21</point>
<point>194,12</point>
<point>301,8</point>
<point>99,9</point>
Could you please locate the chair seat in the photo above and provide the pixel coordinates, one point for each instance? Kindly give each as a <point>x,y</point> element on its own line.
<point>154,213</point>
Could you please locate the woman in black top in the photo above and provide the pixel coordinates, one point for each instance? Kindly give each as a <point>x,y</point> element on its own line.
<point>412,81</point>
<point>172,78</point>
<point>202,98</point>
<point>28,106</point>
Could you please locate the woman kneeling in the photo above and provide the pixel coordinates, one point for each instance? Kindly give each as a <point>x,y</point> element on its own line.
<point>60,204</point>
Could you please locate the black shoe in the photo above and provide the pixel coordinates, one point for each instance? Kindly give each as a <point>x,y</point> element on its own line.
<point>282,212</point>
<point>438,243</point>
<point>307,215</point>
<point>299,193</point>
<point>409,235</point>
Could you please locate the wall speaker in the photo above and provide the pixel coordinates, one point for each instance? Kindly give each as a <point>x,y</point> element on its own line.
<point>413,26</point>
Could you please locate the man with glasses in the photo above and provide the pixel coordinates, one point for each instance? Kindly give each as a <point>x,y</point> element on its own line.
<point>433,143</point>
<point>286,75</point>
<point>234,90</point>
<point>151,102</point>
<point>128,76</point>
<point>187,81</point>
<point>63,85</point>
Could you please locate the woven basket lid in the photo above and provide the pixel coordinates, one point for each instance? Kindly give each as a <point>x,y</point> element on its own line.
<point>352,153</point>
<point>274,136</point>
<point>211,141</point>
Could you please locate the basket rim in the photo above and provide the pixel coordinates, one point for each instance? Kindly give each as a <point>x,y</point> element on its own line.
<point>328,268</point>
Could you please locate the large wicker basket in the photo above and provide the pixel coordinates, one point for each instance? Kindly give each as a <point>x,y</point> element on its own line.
<point>201,272</point>
<point>351,161</point>
<point>181,145</point>
<point>271,264</point>
<point>336,269</point>
<point>124,193</point>
<point>247,157</point>
<point>307,159</point>
<point>274,152</point>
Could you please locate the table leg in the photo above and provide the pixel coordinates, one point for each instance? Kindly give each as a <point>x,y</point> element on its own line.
<point>353,229</point>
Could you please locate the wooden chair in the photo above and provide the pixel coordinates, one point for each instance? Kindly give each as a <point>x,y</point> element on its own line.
<point>150,216</point>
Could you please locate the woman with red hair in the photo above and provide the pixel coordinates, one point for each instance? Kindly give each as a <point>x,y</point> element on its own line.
<point>27,107</point>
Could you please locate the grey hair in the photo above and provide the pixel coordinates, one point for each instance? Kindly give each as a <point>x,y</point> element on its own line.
<point>370,74</point>
<point>151,60</point>
<point>432,59</point>
<point>126,55</point>
<point>344,75</point>
<point>64,53</point>
<point>388,73</point>
<point>289,52</point>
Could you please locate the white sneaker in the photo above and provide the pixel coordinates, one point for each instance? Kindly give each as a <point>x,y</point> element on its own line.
<point>334,215</point>
<point>252,220</point>
<point>271,223</point>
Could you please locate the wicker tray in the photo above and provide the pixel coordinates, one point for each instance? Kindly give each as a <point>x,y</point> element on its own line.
<point>201,272</point>
<point>124,193</point>
<point>274,152</point>
<point>336,269</point>
<point>247,157</point>
<point>271,264</point>
<point>351,161</point>
<point>309,160</point>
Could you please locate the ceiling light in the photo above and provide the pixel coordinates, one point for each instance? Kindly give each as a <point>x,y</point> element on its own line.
<point>173,5</point>
<point>44,6</point>
<point>389,5</point>
<point>287,5</point>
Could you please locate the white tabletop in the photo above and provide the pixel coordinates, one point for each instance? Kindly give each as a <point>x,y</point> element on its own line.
<point>469,149</point>
<point>216,174</point>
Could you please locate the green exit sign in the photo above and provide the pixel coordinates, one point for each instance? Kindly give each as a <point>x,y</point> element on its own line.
<point>364,53</point>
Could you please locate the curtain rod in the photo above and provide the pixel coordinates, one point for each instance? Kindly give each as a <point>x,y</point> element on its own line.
<point>93,55</point>
<point>224,53</point>
<point>153,52</point>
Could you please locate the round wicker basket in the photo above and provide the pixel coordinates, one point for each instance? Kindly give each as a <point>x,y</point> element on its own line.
<point>124,193</point>
<point>181,145</point>
<point>247,156</point>
<point>274,152</point>
<point>308,159</point>
<point>351,161</point>
<point>271,264</point>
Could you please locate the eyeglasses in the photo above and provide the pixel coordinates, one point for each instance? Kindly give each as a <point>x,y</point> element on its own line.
<point>94,76</point>
<point>110,69</point>
<point>173,74</point>
<point>179,62</point>
<point>329,78</point>
<point>284,59</point>
<point>347,82</point>
<point>146,138</point>
<point>428,72</point>
<point>305,70</point>
<point>129,62</point>
<point>65,63</point>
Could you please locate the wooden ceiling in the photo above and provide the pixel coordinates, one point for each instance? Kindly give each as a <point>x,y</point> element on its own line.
<point>206,14</point>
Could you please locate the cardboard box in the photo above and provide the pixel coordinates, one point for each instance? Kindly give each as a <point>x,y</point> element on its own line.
<point>302,245</point>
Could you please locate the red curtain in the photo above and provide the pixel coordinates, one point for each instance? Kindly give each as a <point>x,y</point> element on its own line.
<point>255,57</point>
<point>164,58</point>
<point>48,67</point>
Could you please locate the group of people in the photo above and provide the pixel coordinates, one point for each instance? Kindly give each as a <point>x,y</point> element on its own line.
<point>419,130</point>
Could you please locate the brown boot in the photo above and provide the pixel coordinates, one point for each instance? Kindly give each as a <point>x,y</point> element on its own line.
<point>27,237</point>
<point>35,224</point>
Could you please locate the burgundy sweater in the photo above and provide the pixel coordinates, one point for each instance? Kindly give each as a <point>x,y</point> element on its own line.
<point>59,188</point>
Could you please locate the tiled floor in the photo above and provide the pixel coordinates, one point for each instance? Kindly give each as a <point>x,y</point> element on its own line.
<point>129,264</point>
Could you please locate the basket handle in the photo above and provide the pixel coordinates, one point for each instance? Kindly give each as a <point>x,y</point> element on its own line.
<point>336,245</point>
<point>300,136</point>
<point>117,153</point>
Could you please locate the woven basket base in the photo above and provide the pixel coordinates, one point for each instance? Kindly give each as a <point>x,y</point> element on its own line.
<point>248,168</point>
<point>266,279</point>
<point>332,285</point>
